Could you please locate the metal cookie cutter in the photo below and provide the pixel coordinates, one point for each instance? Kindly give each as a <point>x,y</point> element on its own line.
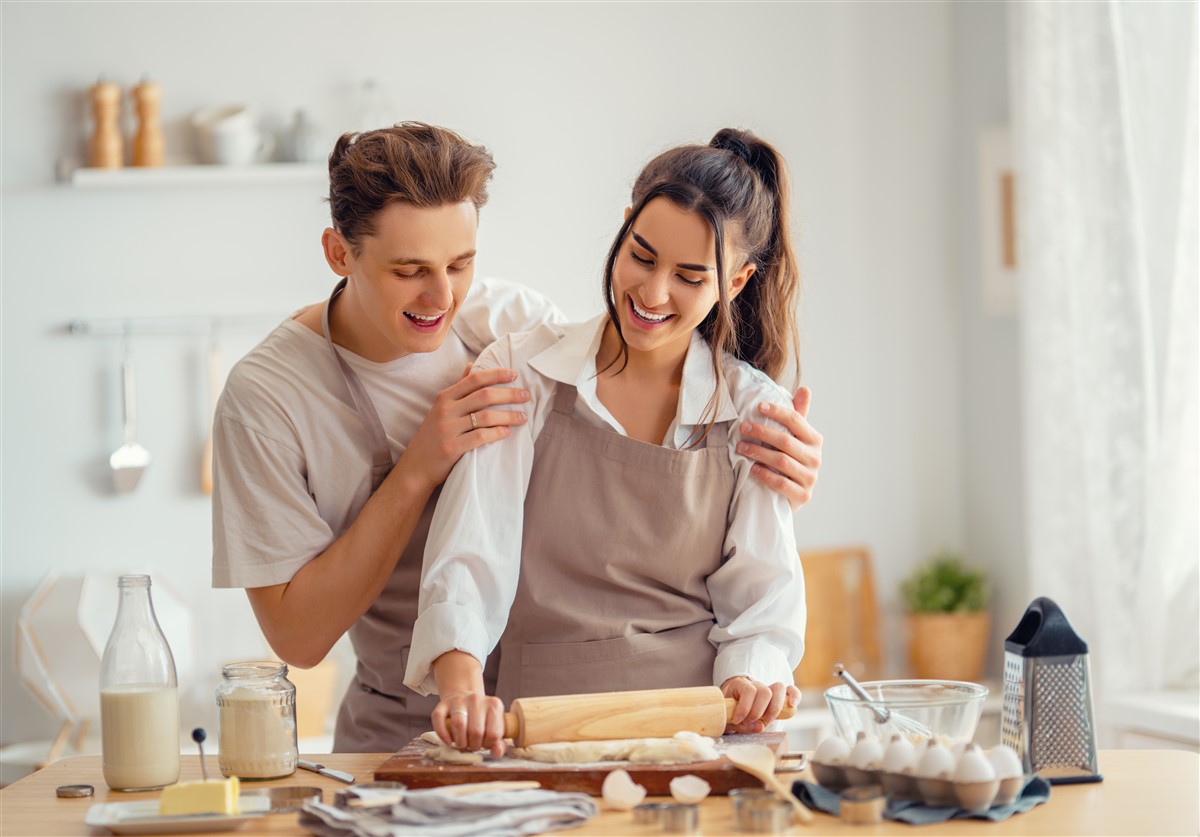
<point>650,813</point>
<point>285,799</point>
<point>675,818</point>
<point>862,805</point>
<point>683,818</point>
<point>760,811</point>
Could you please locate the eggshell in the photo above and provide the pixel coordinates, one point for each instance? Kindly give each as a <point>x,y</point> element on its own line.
<point>937,793</point>
<point>1005,761</point>
<point>1010,789</point>
<point>831,776</point>
<point>973,766</point>
<point>900,756</point>
<point>867,753</point>
<point>936,762</point>
<point>833,750</point>
<point>976,796</point>
<point>900,786</point>
<point>619,791</point>
<point>689,789</point>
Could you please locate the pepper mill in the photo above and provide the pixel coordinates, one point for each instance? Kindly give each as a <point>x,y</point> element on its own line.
<point>148,145</point>
<point>105,148</point>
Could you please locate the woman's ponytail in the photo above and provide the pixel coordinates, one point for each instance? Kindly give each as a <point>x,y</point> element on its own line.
<point>765,311</point>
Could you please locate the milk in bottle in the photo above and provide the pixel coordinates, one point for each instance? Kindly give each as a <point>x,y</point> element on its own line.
<point>139,696</point>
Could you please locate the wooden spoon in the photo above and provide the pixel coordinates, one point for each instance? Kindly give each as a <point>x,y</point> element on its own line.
<point>759,762</point>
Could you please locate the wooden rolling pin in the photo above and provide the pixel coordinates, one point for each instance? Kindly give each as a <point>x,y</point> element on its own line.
<point>654,713</point>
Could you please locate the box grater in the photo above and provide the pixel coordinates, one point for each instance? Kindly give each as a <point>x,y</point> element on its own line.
<point>1048,714</point>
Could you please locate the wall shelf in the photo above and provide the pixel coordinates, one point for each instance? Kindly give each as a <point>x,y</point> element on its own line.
<point>194,175</point>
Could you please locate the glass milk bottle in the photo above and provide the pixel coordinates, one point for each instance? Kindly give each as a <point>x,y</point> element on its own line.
<point>256,718</point>
<point>139,697</point>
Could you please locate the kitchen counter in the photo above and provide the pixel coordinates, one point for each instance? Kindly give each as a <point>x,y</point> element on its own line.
<point>1144,792</point>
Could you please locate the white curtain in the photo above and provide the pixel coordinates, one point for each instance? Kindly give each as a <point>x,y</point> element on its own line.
<point>1105,147</point>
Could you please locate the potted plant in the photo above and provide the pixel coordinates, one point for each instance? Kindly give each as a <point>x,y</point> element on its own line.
<point>947,618</point>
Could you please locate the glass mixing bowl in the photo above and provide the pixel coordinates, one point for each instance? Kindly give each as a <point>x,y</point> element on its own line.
<point>949,709</point>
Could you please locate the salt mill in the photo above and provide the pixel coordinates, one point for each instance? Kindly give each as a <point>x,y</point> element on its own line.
<point>148,145</point>
<point>105,148</point>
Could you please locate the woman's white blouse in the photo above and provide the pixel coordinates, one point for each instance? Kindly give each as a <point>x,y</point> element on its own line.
<point>473,553</point>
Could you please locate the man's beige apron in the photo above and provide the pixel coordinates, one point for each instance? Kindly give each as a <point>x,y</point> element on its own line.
<point>620,537</point>
<point>379,713</point>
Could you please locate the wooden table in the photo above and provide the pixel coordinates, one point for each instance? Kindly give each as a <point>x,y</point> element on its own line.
<point>1144,792</point>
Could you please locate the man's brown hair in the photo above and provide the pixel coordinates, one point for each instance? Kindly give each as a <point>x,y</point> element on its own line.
<point>411,162</point>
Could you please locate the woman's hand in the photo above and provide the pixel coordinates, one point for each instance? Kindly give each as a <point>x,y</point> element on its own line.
<point>757,704</point>
<point>786,461</point>
<point>460,421</point>
<point>466,717</point>
<point>470,721</point>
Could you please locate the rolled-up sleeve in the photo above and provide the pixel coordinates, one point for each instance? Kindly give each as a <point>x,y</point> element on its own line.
<point>473,552</point>
<point>758,592</point>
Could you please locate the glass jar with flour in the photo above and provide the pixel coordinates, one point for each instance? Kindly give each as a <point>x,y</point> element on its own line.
<point>256,721</point>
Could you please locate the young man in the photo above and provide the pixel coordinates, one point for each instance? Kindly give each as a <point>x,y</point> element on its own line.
<point>334,434</point>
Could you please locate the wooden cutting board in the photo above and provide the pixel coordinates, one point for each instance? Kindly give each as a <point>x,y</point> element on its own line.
<point>411,767</point>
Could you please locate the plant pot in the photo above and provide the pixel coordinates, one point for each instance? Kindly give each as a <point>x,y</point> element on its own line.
<point>948,646</point>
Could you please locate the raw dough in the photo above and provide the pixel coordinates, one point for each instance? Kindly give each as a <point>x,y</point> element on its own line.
<point>683,748</point>
<point>438,751</point>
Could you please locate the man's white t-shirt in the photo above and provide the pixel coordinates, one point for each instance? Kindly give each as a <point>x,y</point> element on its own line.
<point>292,468</point>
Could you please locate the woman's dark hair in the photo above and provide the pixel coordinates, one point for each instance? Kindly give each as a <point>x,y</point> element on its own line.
<point>738,185</point>
<point>411,162</point>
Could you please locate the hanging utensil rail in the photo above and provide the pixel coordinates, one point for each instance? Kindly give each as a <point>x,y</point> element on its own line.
<point>198,326</point>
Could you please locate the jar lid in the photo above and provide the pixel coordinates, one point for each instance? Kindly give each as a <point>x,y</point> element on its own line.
<point>74,791</point>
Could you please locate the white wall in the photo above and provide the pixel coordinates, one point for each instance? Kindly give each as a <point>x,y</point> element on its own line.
<point>572,99</point>
<point>993,488</point>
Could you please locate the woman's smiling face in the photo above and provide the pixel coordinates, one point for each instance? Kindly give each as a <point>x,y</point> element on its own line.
<point>664,280</point>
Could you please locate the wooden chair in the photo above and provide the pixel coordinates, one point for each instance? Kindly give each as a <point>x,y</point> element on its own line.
<point>843,617</point>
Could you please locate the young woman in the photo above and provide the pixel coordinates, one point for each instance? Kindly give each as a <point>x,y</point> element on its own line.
<point>616,541</point>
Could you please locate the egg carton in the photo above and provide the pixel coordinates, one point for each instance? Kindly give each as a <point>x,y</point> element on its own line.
<point>962,776</point>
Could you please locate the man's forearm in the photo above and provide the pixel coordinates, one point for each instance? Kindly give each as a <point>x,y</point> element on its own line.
<point>304,617</point>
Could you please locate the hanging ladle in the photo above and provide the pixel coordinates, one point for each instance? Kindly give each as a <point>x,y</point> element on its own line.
<point>130,459</point>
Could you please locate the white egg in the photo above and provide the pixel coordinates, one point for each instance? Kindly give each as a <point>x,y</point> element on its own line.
<point>832,751</point>
<point>619,791</point>
<point>900,756</point>
<point>1005,761</point>
<point>689,789</point>
<point>936,762</point>
<point>973,766</point>
<point>867,752</point>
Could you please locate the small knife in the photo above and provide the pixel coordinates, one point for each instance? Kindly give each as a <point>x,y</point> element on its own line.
<point>325,771</point>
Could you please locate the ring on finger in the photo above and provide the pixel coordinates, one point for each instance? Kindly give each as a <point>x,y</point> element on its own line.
<point>474,421</point>
<point>462,712</point>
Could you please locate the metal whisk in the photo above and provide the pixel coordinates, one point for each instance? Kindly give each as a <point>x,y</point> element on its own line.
<point>899,723</point>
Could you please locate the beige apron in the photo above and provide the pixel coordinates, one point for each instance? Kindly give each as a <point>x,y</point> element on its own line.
<point>620,537</point>
<point>379,713</point>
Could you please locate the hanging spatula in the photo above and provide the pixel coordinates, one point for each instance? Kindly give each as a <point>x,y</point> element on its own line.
<point>130,460</point>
